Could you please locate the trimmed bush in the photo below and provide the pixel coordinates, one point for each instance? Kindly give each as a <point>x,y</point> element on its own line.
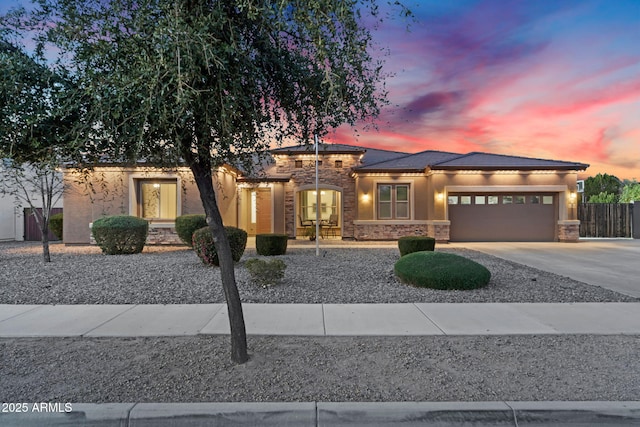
<point>440,270</point>
<point>410,244</point>
<point>120,234</point>
<point>55,225</point>
<point>186,225</point>
<point>271,244</point>
<point>206,250</point>
<point>265,273</point>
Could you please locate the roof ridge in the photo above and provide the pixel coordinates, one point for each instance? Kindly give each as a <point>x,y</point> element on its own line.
<point>521,157</point>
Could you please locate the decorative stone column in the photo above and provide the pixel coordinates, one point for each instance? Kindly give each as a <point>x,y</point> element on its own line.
<point>569,230</point>
<point>439,230</point>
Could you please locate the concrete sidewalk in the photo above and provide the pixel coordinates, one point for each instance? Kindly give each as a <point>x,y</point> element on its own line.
<point>315,414</point>
<point>321,319</point>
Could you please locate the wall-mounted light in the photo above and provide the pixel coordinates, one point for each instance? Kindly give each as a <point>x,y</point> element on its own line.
<point>573,196</point>
<point>440,196</point>
<point>365,197</point>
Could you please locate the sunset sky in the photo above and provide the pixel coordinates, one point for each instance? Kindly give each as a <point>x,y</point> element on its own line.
<point>545,78</point>
<point>556,79</point>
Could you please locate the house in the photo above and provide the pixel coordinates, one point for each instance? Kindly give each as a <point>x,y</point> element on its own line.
<point>16,221</point>
<point>373,194</point>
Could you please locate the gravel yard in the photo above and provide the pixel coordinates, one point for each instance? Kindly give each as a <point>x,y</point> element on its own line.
<point>175,275</point>
<point>193,369</point>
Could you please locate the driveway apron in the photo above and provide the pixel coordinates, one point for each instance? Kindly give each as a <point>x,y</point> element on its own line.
<point>610,263</point>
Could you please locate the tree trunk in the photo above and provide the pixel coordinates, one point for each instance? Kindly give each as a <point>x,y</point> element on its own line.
<point>43,225</point>
<point>45,244</point>
<point>203,177</point>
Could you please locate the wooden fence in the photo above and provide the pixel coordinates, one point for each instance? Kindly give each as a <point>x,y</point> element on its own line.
<point>605,219</point>
<point>32,230</point>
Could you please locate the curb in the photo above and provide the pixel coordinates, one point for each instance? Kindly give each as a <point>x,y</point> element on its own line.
<point>317,414</point>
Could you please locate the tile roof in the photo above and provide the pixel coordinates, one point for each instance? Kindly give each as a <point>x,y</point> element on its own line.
<point>369,155</point>
<point>488,161</point>
<point>417,162</point>
<point>375,160</point>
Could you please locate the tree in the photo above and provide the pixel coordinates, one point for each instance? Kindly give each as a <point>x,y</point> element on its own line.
<point>630,192</point>
<point>209,82</point>
<point>603,198</point>
<point>32,126</point>
<point>601,183</point>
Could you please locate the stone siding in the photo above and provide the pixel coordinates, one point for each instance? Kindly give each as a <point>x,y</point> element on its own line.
<point>156,236</point>
<point>388,231</point>
<point>439,230</point>
<point>329,175</point>
<point>569,231</point>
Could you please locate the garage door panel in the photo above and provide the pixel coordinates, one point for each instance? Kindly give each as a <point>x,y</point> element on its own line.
<point>500,221</point>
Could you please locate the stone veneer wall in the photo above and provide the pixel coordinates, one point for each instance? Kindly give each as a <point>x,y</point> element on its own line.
<point>156,236</point>
<point>569,231</point>
<point>328,175</point>
<point>388,231</point>
<point>439,230</point>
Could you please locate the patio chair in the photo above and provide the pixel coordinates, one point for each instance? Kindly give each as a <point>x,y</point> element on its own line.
<point>329,227</point>
<point>304,223</point>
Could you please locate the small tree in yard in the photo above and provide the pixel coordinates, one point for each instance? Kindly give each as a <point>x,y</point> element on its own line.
<point>209,82</point>
<point>602,187</point>
<point>32,126</point>
<point>630,192</point>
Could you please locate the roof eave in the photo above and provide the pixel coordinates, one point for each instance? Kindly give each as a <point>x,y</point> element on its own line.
<point>389,170</point>
<point>511,168</point>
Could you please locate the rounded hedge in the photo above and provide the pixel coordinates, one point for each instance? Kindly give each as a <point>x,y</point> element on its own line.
<point>410,244</point>
<point>440,270</point>
<point>186,225</point>
<point>206,250</point>
<point>120,234</point>
<point>271,244</point>
<point>55,225</point>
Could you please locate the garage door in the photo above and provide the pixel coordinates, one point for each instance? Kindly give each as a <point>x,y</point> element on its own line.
<point>478,217</point>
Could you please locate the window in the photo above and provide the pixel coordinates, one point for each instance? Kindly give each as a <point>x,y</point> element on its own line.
<point>465,200</point>
<point>338,164</point>
<point>298,164</point>
<point>158,199</point>
<point>535,200</point>
<point>493,200</point>
<point>547,200</point>
<point>329,204</point>
<point>453,200</point>
<point>480,200</point>
<point>507,200</point>
<point>393,201</point>
<point>519,200</point>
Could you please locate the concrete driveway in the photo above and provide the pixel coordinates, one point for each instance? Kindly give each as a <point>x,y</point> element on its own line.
<point>611,263</point>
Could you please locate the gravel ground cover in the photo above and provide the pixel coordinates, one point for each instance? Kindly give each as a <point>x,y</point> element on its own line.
<point>193,369</point>
<point>174,275</point>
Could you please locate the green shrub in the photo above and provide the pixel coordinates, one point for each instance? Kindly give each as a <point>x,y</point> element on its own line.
<point>186,225</point>
<point>55,225</point>
<point>439,270</point>
<point>120,234</point>
<point>271,244</point>
<point>206,250</point>
<point>265,273</point>
<point>410,244</point>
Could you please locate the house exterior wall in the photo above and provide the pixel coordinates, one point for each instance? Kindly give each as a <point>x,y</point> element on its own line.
<point>110,191</point>
<point>368,226</point>
<point>330,176</point>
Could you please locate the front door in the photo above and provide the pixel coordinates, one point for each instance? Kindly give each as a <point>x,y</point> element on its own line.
<point>259,211</point>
